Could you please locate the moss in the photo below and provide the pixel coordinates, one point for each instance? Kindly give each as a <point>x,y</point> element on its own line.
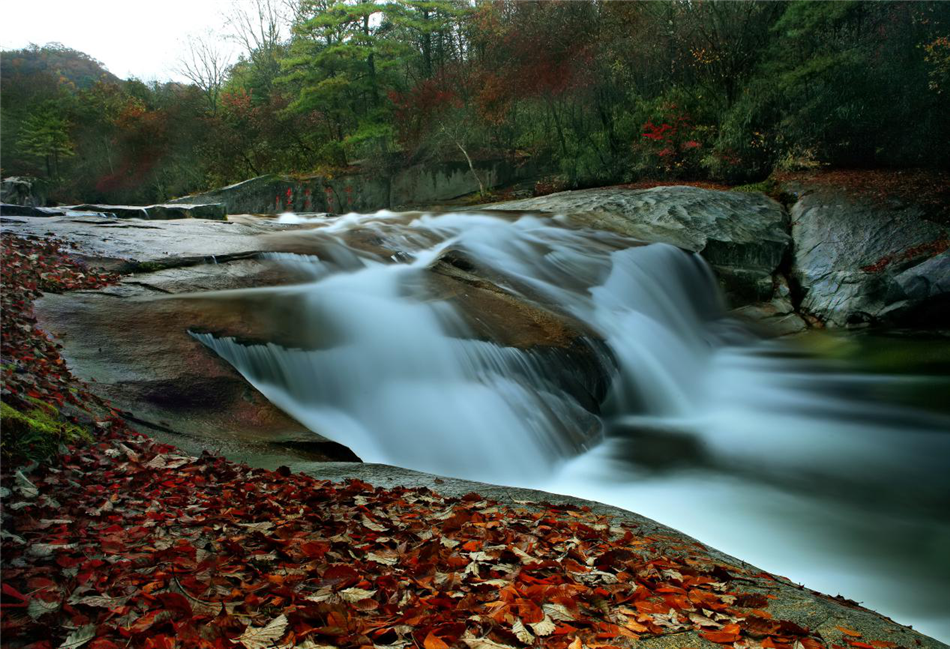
<point>37,433</point>
<point>770,187</point>
<point>765,186</point>
<point>149,266</point>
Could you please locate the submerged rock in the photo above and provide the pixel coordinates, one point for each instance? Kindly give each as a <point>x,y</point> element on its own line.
<point>856,262</point>
<point>743,236</point>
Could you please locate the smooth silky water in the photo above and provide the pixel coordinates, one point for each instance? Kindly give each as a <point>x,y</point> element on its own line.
<point>789,460</point>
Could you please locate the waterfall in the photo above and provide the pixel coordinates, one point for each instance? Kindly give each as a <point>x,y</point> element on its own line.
<point>755,447</point>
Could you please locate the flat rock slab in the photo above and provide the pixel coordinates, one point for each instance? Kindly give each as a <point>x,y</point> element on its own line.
<point>154,244</point>
<point>744,236</point>
<point>859,262</point>
<point>214,211</point>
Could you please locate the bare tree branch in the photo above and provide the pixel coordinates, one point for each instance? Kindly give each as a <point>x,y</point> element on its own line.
<point>205,64</point>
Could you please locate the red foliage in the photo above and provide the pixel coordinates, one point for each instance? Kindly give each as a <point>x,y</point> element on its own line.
<point>31,364</point>
<point>672,141</point>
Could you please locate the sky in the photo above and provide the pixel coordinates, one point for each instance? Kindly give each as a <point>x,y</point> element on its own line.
<point>130,37</point>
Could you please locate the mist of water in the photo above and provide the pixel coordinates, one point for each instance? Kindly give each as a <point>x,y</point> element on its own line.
<point>752,447</point>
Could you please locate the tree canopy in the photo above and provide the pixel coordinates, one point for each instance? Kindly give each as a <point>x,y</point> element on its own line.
<point>591,91</point>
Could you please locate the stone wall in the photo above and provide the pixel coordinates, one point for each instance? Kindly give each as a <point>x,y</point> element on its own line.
<point>415,185</point>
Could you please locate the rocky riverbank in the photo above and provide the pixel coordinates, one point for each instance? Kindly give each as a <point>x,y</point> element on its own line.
<point>129,339</point>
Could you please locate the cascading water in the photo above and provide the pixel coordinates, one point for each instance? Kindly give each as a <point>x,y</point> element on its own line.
<point>769,455</point>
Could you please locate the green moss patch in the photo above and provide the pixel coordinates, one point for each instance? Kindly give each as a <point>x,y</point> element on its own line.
<point>36,433</point>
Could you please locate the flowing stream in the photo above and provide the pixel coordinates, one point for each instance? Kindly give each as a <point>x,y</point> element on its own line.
<point>659,403</point>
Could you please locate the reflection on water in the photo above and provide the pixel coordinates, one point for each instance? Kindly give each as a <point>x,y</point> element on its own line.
<point>790,459</point>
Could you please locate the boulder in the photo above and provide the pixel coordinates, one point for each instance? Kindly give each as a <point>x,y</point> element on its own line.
<point>22,190</point>
<point>14,209</point>
<point>858,262</point>
<point>131,344</point>
<point>164,212</point>
<point>742,235</point>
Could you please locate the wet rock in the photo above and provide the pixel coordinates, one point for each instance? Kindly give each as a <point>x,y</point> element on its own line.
<point>497,310</point>
<point>131,344</point>
<point>743,236</point>
<point>27,210</point>
<point>856,262</point>
<point>769,320</point>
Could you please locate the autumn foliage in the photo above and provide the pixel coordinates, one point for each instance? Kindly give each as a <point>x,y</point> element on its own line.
<point>130,543</point>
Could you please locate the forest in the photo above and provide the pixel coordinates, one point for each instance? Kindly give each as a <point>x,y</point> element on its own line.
<point>590,93</point>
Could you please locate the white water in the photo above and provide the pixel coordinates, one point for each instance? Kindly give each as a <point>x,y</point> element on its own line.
<point>782,461</point>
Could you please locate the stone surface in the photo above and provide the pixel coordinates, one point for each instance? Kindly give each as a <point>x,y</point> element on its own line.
<point>14,209</point>
<point>164,212</point>
<point>125,245</point>
<point>132,340</point>
<point>22,190</point>
<point>424,184</point>
<point>857,263</point>
<point>743,236</point>
<point>131,343</point>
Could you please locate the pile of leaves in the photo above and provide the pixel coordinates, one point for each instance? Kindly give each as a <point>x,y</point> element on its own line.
<point>928,189</point>
<point>32,365</point>
<point>42,401</point>
<point>127,543</point>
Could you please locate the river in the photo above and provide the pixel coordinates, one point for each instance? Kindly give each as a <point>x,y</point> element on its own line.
<point>799,462</point>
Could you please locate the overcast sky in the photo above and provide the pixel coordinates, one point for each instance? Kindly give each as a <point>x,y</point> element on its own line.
<point>130,37</point>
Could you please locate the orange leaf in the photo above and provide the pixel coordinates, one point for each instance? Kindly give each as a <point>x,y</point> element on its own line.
<point>720,637</point>
<point>433,641</point>
<point>850,632</point>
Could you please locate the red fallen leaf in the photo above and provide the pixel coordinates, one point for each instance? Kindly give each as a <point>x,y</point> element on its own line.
<point>160,642</point>
<point>752,600</point>
<point>103,643</point>
<point>7,589</point>
<point>788,627</point>
<point>883,644</point>
<point>811,643</point>
<point>860,645</point>
<point>720,637</point>
<point>759,626</point>
<point>315,549</point>
<point>433,641</point>
<point>176,602</point>
<point>645,606</point>
<point>850,632</point>
<point>149,620</point>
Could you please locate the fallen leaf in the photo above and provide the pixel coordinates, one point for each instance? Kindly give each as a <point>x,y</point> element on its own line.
<point>79,637</point>
<point>263,637</point>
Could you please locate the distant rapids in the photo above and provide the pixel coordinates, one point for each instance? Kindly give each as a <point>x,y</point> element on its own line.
<point>754,447</point>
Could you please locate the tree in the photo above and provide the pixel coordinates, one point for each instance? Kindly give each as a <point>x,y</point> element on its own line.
<point>205,64</point>
<point>45,135</point>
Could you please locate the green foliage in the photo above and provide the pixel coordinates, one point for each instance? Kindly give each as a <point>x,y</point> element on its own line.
<point>582,88</point>
<point>37,433</point>
<point>44,134</point>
